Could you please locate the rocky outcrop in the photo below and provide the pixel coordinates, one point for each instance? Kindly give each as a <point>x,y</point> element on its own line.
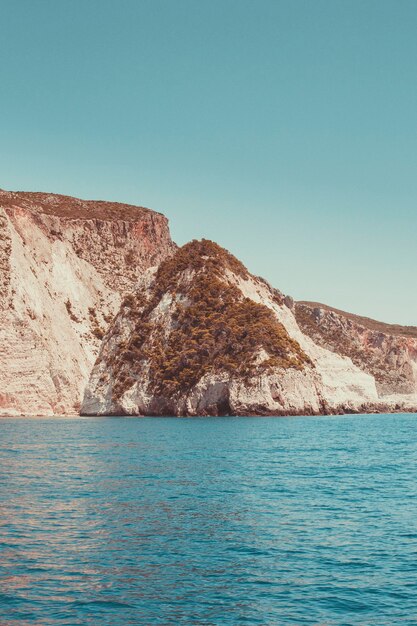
<point>202,336</point>
<point>386,351</point>
<point>65,265</point>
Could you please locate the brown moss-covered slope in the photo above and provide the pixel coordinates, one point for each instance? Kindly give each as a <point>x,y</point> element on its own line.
<point>212,328</point>
<point>194,322</point>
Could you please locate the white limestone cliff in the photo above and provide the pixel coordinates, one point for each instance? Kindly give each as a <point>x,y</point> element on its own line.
<point>64,266</point>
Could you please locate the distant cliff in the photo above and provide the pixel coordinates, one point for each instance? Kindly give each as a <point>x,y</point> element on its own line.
<point>202,336</point>
<point>386,351</point>
<point>65,265</point>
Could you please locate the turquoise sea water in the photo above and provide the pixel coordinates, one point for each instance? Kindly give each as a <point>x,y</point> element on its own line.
<point>209,521</point>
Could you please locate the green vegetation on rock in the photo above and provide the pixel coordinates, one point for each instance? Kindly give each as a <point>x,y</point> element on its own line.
<point>212,327</point>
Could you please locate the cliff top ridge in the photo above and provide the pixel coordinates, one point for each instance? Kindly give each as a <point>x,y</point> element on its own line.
<point>70,207</point>
<point>367,322</point>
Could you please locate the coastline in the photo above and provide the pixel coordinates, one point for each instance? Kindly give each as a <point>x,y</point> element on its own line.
<point>379,411</point>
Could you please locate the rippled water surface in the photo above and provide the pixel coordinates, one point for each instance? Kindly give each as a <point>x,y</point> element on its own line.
<point>209,521</point>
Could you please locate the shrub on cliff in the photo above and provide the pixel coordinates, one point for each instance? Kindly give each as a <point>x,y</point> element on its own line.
<point>213,328</point>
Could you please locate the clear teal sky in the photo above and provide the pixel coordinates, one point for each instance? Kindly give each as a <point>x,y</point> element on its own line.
<point>285,130</point>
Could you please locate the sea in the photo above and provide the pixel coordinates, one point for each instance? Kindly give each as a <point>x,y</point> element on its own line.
<point>209,521</point>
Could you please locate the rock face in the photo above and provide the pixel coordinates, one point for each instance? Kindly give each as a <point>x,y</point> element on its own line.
<point>202,336</point>
<point>65,265</point>
<point>386,351</point>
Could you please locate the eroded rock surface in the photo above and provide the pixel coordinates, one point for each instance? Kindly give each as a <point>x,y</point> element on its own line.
<point>386,351</point>
<point>65,265</point>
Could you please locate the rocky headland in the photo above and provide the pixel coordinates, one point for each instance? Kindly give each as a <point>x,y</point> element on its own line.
<point>202,336</point>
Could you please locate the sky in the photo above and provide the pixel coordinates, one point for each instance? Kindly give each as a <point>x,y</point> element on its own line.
<point>285,130</point>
